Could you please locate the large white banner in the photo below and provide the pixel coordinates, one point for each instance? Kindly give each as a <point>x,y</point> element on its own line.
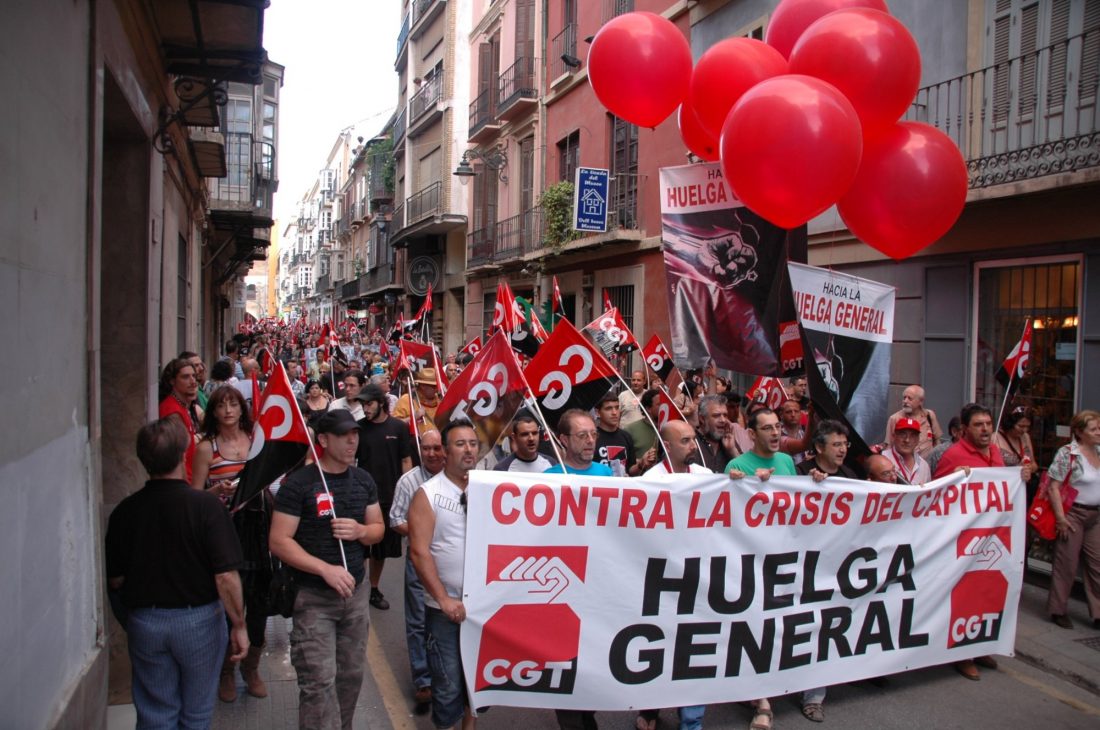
<point>611,594</point>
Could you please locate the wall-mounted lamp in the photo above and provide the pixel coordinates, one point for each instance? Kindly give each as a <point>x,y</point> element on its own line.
<point>494,158</point>
<point>570,60</point>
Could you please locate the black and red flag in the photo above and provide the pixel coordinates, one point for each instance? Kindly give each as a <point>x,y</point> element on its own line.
<point>279,439</point>
<point>557,307</point>
<point>658,358</point>
<point>611,334</point>
<point>488,392</point>
<point>507,315</point>
<point>568,372</point>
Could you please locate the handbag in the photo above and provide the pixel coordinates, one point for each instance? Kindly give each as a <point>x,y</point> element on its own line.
<point>1040,515</point>
<point>281,591</point>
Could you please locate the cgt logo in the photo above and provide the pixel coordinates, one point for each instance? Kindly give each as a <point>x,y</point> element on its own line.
<point>978,599</point>
<point>555,399</point>
<point>532,646</point>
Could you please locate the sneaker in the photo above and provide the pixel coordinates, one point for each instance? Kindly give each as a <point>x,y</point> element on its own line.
<point>378,600</point>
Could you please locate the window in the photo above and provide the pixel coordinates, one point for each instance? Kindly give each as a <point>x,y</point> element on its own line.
<point>569,156</point>
<point>183,292</point>
<point>1047,292</point>
<point>489,306</point>
<point>526,173</point>
<point>624,173</point>
<point>238,115</point>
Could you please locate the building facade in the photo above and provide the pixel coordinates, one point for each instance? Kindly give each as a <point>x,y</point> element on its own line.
<point>115,258</point>
<point>1015,84</point>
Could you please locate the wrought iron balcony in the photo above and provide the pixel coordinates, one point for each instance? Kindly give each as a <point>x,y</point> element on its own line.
<point>249,170</point>
<point>425,100</point>
<point>381,168</point>
<point>480,246</point>
<point>1025,118</point>
<point>424,203</point>
<point>518,235</point>
<point>614,8</point>
<point>399,127</point>
<point>403,34</point>
<point>518,85</point>
<point>483,114</point>
<point>563,44</point>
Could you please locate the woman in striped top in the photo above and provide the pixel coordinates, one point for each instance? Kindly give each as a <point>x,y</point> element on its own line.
<point>219,459</point>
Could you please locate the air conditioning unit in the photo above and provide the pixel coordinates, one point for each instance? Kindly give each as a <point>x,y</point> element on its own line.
<point>587,281</point>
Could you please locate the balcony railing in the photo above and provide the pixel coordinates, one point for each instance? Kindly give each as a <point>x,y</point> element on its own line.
<point>424,204</point>
<point>323,284</point>
<point>1024,118</point>
<point>623,192</point>
<point>399,127</point>
<point>480,246</point>
<point>397,220</point>
<point>403,35</point>
<point>564,43</point>
<point>518,235</point>
<point>483,110</point>
<point>615,8</point>
<point>431,91</point>
<point>247,161</point>
<point>379,167</point>
<point>518,82</point>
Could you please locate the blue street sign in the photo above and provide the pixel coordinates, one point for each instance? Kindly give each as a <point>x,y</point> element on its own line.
<point>590,193</point>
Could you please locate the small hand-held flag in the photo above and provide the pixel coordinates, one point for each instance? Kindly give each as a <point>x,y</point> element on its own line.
<point>557,307</point>
<point>1014,367</point>
<point>767,391</point>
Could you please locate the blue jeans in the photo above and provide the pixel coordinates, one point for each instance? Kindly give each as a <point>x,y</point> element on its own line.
<point>445,660</point>
<point>414,627</point>
<point>176,654</point>
<point>813,696</point>
<point>691,717</point>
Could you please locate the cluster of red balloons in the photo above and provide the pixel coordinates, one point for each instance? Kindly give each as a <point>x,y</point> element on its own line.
<point>800,122</point>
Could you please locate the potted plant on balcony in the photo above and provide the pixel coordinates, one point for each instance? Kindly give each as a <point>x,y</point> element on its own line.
<point>556,203</point>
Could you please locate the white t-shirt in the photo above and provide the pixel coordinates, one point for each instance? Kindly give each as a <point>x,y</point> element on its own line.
<point>448,546</point>
<point>659,469</point>
<point>355,407</point>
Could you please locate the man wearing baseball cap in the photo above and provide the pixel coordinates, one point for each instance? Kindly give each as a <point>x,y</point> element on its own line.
<point>911,466</point>
<point>425,403</point>
<point>326,514</point>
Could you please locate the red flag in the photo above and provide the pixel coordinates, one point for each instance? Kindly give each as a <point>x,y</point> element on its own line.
<point>266,361</point>
<point>768,391</point>
<point>426,307</point>
<point>326,333</point>
<point>658,358</point>
<point>606,301</point>
<point>537,329</point>
<point>611,334</point>
<point>1015,365</point>
<point>472,347</point>
<point>556,305</point>
<point>568,372</point>
<point>488,392</point>
<point>667,410</point>
<point>507,314</point>
<point>414,356</point>
<point>279,439</point>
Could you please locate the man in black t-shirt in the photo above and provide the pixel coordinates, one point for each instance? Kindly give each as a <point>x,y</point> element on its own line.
<point>385,450</point>
<point>326,514</point>
<point>171,554</point>
<point>614,446</point>
<point>830,449</point>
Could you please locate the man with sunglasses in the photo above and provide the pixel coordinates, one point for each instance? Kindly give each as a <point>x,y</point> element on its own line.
<point>437,545</point>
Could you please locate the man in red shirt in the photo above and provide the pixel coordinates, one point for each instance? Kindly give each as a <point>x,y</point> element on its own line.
<point>975,449</point>
<point>179,388</point>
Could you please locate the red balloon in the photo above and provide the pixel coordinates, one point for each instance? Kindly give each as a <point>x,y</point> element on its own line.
<point>790,148</point>
<point>910,190</point>
<point>792,17</point>
<point>727,70</point>
<point>639,66</point>
<point>869,56</point>
<point>697,139</point>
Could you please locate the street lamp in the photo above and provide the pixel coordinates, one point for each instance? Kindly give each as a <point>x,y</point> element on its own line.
<point>494,158</point>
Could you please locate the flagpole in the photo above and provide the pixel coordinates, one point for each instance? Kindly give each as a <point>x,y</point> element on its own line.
<point>413,417</point>
<point>652,423</point>
<point>537,409</point>
<point>1011,377</point>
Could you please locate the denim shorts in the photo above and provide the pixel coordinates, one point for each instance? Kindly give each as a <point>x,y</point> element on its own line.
<point>445,663</point>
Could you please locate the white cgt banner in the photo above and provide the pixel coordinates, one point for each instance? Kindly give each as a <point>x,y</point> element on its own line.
<point>611,594</point>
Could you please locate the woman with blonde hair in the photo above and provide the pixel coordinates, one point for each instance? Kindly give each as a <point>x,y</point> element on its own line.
<point>1076,464</point>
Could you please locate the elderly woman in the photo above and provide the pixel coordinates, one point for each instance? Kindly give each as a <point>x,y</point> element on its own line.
<point>219,459</point>
<point>1078,464</point>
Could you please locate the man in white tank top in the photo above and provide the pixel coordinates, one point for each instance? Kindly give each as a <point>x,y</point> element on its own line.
<point>437,544</point>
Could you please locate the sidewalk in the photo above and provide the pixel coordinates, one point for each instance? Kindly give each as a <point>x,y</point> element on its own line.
<point>1071,655</point>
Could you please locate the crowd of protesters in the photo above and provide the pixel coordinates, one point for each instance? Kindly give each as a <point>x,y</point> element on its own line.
<point>202,567</point>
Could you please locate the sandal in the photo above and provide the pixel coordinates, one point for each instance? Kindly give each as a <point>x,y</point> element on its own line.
<point>757,723</point>
<point>814,712</point>
<point>644,723</point>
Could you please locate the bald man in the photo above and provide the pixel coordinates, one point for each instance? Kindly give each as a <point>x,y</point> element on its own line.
<point>912,406</point>
<point>679,439</point>
<point>881,469</point>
